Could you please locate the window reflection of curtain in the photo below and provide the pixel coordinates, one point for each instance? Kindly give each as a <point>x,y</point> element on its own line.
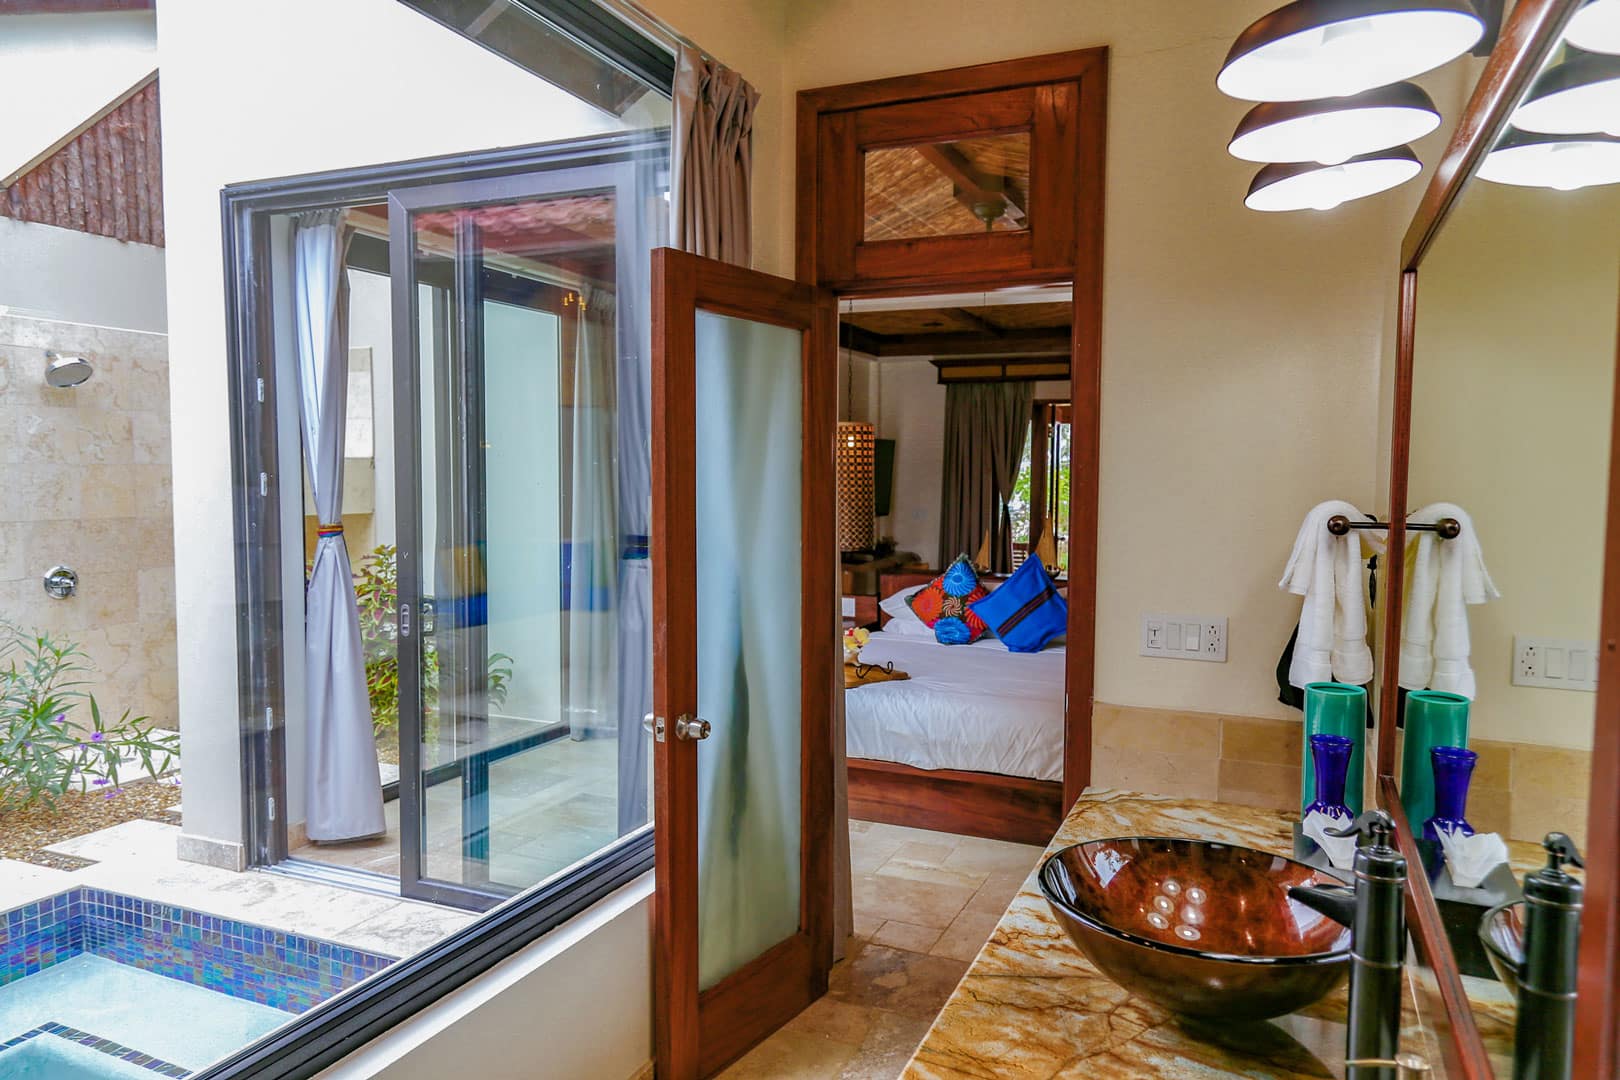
<point>985,428</point>
<point>648,221</point>
<point>593,546</point>
<point>345,792</point>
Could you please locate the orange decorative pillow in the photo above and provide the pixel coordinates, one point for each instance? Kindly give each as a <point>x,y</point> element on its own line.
<point>943,604</point>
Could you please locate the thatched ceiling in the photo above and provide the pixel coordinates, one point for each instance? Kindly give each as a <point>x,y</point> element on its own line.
<point>947,189</point>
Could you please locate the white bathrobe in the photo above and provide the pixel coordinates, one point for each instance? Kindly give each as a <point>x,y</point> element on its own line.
<point>1447,575</point>
<point>1328,571</point>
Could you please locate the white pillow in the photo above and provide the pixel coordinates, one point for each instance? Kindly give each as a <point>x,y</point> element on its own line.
<point>902,620</point>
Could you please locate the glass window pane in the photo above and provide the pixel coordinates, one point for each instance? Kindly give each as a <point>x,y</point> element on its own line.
<point>949,188</point>
<point>749,458</point>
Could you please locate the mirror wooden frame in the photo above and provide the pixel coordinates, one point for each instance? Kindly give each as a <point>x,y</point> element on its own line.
<point>1528,38</point>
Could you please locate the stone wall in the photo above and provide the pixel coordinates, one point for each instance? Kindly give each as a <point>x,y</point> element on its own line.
<point>84,482</point>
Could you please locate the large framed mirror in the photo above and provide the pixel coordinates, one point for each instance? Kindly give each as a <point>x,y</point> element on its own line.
<point>1495,632</point>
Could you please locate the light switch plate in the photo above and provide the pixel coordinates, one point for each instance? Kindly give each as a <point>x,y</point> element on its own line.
<point>1183,637</point>
<point>1554,663</point>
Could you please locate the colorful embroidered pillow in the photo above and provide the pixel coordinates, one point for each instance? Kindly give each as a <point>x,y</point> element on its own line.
<point>1026,611</point>
<point>944,604</point>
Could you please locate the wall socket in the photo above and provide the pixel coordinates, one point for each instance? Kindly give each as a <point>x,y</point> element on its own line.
<point>1184,637</point>
<point>1556,663</point>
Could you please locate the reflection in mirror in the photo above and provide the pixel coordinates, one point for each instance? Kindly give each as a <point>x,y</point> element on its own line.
<point>1511,403</point>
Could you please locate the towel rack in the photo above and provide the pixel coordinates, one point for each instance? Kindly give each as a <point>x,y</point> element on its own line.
<point>1446,528</point>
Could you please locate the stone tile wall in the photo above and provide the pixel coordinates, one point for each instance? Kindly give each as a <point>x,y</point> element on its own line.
<point>85,483</point>
<point>1520,790</point>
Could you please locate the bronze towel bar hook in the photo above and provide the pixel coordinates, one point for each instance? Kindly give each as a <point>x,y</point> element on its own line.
<point>1446,528</point>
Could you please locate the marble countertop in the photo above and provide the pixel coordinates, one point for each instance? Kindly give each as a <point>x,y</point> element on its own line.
<point>1033,1008</point>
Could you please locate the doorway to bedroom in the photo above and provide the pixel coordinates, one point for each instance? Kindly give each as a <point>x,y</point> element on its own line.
<point>953,473</point>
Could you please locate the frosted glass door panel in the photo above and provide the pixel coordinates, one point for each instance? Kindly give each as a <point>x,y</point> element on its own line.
<point>749,480</point>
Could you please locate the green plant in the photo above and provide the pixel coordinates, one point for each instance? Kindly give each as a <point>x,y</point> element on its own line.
<point>376,591</point>
<point>44,750</point>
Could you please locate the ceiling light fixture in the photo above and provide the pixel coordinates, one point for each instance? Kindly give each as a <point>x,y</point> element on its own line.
<point>1333,48</point>
<point>1596,27</point>
<point>1337,129</point>
<point>1579,95</point>
<point>1311,186</point>
<point>1564,162</point>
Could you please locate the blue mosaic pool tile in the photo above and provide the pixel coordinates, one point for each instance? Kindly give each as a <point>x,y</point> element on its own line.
<point>291,972</point>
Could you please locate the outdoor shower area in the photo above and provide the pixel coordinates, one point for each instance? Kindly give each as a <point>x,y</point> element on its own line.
<point>88,701</point>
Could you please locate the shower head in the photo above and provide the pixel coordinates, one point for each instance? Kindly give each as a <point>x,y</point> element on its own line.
<point>65,371</point>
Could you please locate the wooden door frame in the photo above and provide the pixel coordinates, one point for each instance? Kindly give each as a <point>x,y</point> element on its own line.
<point>1528,38</point>
<point>757,998</point>
<point>1079,264</point>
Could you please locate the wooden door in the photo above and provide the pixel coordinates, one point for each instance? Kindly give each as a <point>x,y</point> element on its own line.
<point>745,615</point>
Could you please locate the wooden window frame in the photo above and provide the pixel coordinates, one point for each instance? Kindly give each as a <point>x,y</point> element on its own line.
<point>1528,38</point>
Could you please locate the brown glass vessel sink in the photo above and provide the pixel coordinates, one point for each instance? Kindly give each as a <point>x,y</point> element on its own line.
<point>1204,929</point>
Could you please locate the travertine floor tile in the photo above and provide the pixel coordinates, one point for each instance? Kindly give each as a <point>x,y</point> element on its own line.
<point>903,935</point>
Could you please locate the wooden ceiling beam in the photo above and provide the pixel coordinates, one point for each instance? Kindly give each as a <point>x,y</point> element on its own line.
<point>854,337</point>
<point>974,188</point>
<point>1046,342</point>
<point>978,321</point>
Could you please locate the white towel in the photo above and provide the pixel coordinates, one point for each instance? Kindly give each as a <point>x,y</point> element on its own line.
<point>1447,575</point>
<point>1327,571</point>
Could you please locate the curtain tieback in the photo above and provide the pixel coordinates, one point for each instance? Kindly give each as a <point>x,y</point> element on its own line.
<point>636,546</point>
<point>323,530</point>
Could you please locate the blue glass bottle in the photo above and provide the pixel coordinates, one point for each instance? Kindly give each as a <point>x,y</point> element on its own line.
<point>1453,769</point>
<point>1330,755</point>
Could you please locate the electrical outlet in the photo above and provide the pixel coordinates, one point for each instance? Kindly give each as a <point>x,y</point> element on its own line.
<point>1554,663</point>
<point>1183,637</point>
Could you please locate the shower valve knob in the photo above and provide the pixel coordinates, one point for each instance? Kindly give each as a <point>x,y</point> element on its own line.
<point>61,582</point>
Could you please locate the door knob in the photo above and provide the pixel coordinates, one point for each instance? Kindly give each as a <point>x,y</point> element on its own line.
<point>688,728</point>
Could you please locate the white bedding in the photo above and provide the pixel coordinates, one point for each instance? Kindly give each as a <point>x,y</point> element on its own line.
<point>973,707</point>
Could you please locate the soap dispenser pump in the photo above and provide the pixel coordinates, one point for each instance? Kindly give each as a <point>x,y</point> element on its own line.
<point>1375,913</point>
<point>1544,1033</point>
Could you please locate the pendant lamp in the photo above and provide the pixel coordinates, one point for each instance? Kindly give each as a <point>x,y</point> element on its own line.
<point>1335,130</point>
<point>1333,48</point>
<point>1596,27</point>
<point>1322,187</point>
<point>1564,162</point>
<point>1579,95</point>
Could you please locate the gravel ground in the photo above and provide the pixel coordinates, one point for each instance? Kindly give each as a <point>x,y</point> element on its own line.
<point>23,833</point>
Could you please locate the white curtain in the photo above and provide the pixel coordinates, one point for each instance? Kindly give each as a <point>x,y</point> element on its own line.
<point>634,471</point>
<point>592,530</point>
<point>345,793</point>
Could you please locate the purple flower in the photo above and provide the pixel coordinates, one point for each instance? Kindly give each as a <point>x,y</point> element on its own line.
<point>114,793</point>
<point>61,719</point>
<point>98,736</point>
<point>101,782</point>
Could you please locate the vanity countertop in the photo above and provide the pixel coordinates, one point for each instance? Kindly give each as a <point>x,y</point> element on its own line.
<point>1032,1007</point>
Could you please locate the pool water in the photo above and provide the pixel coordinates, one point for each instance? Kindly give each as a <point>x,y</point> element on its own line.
<point>100,986</point>
<point>165,1018</point>
<point>48,1058</point>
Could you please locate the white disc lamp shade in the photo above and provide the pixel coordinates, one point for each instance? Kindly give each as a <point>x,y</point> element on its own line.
<point>1311,186</point>
<point>1580,95</point>
<point>1334,48</point>
<point>1564,162</point>
<point>1596,27</point>
<point>1335,130</point>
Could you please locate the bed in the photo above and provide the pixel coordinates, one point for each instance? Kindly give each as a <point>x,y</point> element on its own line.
<point>971,743</point>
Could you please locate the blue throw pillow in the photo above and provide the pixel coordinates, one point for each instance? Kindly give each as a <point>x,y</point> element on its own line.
<point>1026,612</point>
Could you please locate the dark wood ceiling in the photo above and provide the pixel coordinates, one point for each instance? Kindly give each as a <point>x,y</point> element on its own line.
<point>945,332</point>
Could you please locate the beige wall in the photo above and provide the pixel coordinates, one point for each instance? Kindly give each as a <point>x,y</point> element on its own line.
<point>1512,394</point>
<point>1241,352</point>
<point>86,485</point>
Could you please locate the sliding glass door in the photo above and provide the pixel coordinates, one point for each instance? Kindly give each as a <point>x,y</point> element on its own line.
<point>521,749</point>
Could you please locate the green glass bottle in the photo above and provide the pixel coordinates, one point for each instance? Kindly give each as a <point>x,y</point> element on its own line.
<point>1433,718</point>
<point>1335,709</point>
